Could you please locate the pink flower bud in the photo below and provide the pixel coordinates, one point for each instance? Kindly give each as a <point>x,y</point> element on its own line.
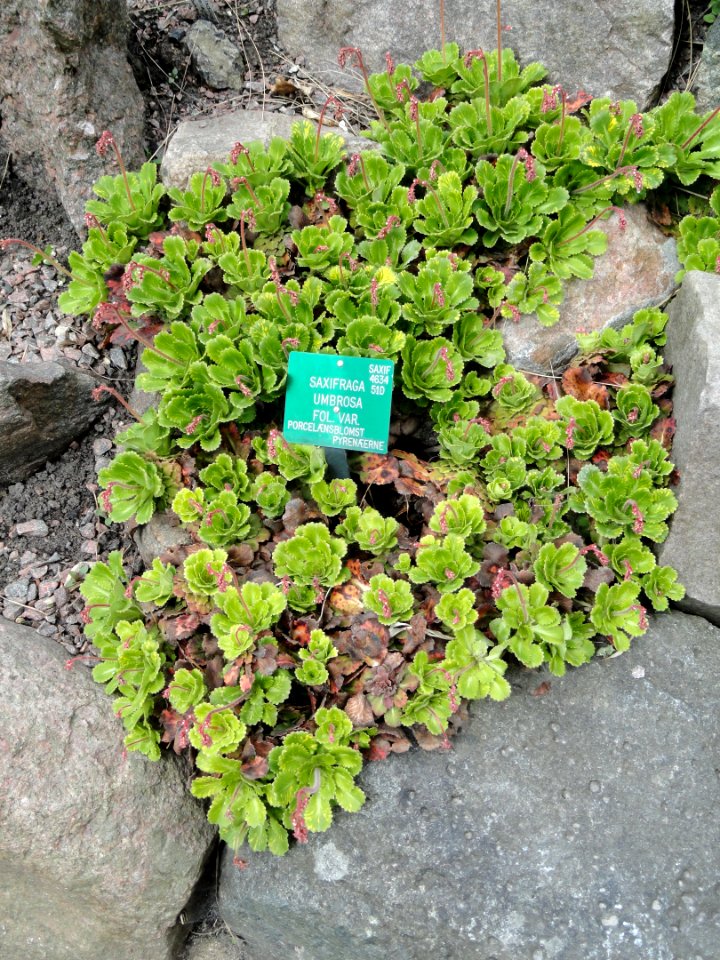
<point>104,143</point>
<point>237,151</point>
<point>570,433</point>
<point>193,425</point>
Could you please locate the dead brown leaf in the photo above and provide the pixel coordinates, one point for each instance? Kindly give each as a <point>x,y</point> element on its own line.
<point>580,383</point>
<point>347,599</point>
<point>367,641</point>
<point>359,711</point>
<point>377,468</point>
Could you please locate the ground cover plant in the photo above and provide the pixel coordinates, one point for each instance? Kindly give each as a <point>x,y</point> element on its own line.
<point>318,620</point>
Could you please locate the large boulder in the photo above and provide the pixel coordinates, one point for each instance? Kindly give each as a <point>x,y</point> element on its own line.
<point>579,823</point>
<point>694,352</point>
<point>43,407</point>
<point>98,853</point>
<point>707,78</point>
<point>218,60</point>
<point>196,144</point>
<point>64,78</point>
<point>638,270</point>
<point>616,48</point>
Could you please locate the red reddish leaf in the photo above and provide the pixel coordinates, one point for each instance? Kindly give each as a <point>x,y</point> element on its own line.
<point>377,468</point>
<point>664,430</point>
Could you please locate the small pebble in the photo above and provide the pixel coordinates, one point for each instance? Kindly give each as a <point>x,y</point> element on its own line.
<point>101,446</point>
<point>17,590</point>
<point>117,358</point>
<point>32,528</point>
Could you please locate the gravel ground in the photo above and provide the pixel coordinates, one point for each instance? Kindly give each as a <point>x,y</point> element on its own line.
<point>49,523</point>
<point>50,529</point>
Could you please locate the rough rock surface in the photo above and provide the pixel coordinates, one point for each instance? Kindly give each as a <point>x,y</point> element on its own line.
<point>217,946</point>
<point>217,59</point>
<point>98,854</point>
<point>43,406</point>
<point>581,823</point>
<point>64,78</point>
<point>198,143</point>
<point>162,533</point>
<point>638,270</point>
<point>707,78</point>
<point>694,353</point>
<point>635,37</point>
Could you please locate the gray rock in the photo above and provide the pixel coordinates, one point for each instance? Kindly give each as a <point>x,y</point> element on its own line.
<point>218,61</point>
<point>214,946</point>
<point>140,400</point>
<point>75,54</point>
<point>196,144</point>
<point>616,48</point>
<point>578,824</point>
<point>707,78</point>
<point>43,407</point>
<point>98,854</point>
<point>32,528</point>
<point>694,353</point>
<point>162,533</point>
<point>638,270</point>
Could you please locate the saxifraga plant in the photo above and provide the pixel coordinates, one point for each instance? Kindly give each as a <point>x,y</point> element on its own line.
<point>312,619</point>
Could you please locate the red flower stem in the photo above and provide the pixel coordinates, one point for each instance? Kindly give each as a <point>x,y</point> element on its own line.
<point>488,115</point>
<point>104,388</point>
<point>244,244</point>
<point>363,68</point>
<point>518,591</point>
<point>433,191</point>
<point>31,246</point>
<point>143,340</point>
<point>364,174</point>
<point>625,143</point>
<point>700,128</point>
<point>286,313</point>
<point>620,171</point>
<point>320,124</point>
<point>419,135</point>
<point>589,225</point>
<point>511,183</point>
<point>227,706</point>
<point>123,171</point>
<point>253,195</point>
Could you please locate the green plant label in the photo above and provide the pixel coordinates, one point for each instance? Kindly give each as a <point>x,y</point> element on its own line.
<point>335,401</point>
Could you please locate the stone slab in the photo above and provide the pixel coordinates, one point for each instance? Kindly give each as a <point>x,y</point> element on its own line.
<point>707,79</point>
<point>578,824</point>
<point>637,270</point>
<point>43,407</point>
<point>64,78</point>
<point>693,350</point>
<point>616,48</point>
<point>98,854</point>
<point>196,144</point>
